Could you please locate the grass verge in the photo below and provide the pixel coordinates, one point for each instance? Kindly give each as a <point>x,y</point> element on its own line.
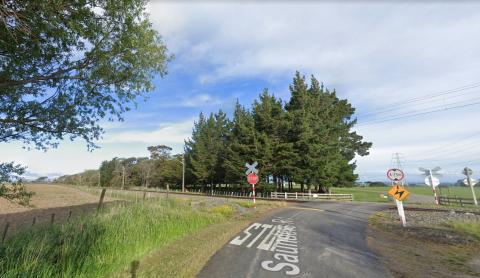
<point>441,251</point>
<point>98,246</point>
<point>186,256</point>
<point>154,238</point>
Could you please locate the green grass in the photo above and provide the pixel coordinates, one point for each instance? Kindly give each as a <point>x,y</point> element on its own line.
<point>245,204</point>
<point>372,194</point>
<point>361,194</point>
<point>99,246</point>
<point>472,228</point>
<point>224,210</point>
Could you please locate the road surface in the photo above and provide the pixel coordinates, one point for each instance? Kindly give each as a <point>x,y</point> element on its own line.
<point>314,239</point>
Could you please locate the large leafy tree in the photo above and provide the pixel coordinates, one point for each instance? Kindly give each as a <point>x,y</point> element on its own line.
<point>64,65</point>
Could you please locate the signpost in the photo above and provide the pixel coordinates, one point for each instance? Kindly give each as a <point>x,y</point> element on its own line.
<point>398,192</point>
<point>470,182</point>
<point>431,180</point>
<point>252,178</point>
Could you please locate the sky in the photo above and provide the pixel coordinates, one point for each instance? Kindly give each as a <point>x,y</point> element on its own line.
<point>391,61</point>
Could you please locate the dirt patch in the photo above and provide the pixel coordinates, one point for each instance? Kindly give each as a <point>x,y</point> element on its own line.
<point>50,196</point>
<point>426,248</point>
<point>53,195</point>
<point>51,203</point>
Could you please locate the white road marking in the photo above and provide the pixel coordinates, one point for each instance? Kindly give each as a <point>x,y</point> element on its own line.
<point>280,239</point>
<point>265,227</point>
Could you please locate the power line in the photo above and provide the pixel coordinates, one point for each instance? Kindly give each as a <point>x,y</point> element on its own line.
<point>465,101</point>
<point>449,145</point>
<point>423,98</point>
<point>417,114</point>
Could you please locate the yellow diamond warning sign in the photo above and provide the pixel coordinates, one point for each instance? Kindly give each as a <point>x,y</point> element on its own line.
<point>399,192</point>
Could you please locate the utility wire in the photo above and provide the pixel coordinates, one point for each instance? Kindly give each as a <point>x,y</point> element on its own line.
<point>417,114</point>
<point>423,98</point>
<point>444,105</point>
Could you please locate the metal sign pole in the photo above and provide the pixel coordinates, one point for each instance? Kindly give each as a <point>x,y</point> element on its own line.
<point>253,193</point>
<point>401,212</point>
<point>433,186</point>
<point>471,186</point>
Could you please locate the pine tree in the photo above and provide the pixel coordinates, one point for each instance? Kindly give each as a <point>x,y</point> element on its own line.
<point>301,134</point>
<point>241,147</point>
<point>206,148</point>
<point>276,155</point>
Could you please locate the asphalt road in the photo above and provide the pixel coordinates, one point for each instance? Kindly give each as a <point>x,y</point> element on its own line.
<point>314,239</point>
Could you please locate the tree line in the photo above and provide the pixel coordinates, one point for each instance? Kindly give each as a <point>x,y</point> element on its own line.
<point>305,143</point>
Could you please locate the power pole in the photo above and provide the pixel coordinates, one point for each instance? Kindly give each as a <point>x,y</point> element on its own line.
<point>183,172</point>
<point>123,176</point>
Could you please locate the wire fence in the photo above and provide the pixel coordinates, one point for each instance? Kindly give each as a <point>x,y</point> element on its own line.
<point>13,223</point>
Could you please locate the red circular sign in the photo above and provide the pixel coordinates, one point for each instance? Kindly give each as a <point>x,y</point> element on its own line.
<point>395,174</point>
<point>252,178</point>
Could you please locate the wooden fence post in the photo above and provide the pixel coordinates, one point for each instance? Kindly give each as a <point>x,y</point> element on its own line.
<point>100,202</point>
<point>5,231</point>
<point>34,220</point>
<point>52,219</point>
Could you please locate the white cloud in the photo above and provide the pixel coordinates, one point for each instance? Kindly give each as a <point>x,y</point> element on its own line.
<point>201,100</point>
<point>166,133</point>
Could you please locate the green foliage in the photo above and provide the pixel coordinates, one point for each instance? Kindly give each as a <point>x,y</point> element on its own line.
<point>11,186</point>
<point>224,210</point>
<point>206,148</point>
<point>118,237</point>
<point>307,141</point>
<point>138,171</point>
<point>64,65</point>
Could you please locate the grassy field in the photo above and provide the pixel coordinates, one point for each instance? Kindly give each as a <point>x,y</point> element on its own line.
<point>109,243</point>
<point>372,194</point>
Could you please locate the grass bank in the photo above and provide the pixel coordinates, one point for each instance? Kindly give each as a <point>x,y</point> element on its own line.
<point>98,246</point>
<point>423,249</point>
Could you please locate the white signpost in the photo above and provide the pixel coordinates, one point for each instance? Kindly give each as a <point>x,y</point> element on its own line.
<point>252,178</point>
<point>470,182</point>
<point>431,180</point>
<point>396,176</point>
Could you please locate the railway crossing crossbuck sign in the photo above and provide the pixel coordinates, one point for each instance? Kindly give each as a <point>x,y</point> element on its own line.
<point>252,178</point>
